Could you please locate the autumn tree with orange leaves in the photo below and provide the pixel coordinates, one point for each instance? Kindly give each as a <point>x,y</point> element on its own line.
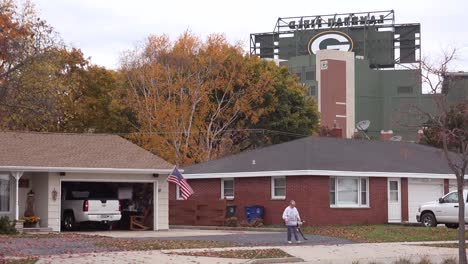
<point>191,97</point>
<point>33,63</point>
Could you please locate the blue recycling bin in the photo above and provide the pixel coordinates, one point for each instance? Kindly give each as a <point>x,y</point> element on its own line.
<point>254,212</point>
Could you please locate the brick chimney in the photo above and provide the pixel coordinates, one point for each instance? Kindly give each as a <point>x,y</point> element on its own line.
<point>386,135</point>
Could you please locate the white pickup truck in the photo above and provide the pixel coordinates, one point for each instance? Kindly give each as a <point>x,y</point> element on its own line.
<point>443,211</point>
<point>86,206</point>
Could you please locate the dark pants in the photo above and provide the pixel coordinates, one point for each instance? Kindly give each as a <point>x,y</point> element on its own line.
<point>292,229</point>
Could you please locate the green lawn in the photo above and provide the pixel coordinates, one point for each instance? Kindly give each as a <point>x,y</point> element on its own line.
<point>384,233</point>
<point>443,245</point>
<point>240,254</point>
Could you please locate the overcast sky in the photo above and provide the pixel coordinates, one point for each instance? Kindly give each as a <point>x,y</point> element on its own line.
<point>102,29</point>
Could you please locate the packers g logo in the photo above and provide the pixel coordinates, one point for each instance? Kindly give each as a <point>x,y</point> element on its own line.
<point>332,40</point>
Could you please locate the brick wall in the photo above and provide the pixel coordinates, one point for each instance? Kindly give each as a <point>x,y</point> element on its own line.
<point>310,192</point>
<point>446,186</point>
<point>404,199</point>
<point>333,94</point>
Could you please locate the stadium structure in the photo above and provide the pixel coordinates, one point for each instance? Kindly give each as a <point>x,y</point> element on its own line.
<point>358,66</point>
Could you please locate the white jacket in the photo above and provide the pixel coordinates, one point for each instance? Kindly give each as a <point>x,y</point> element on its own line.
<point>291,216</point>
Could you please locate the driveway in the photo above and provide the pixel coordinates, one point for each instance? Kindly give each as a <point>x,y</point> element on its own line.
<point>241,238</point>
<point>263,239</point>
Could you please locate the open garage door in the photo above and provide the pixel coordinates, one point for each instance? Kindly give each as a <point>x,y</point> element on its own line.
<point>89,205</point>
<point>422,191</point>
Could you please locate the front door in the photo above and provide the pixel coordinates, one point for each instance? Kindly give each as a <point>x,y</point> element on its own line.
<point>394,200</point>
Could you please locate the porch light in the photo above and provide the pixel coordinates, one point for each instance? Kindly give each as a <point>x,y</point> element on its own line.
<point>54,195</point>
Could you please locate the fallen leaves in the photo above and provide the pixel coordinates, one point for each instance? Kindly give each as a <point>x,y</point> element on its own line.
<point>142,245</point>
<point>21,246</point>
<point>239,254</point>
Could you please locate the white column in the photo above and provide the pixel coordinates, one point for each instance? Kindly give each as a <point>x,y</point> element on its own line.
<point>156,205</point>
<point>17,175</point>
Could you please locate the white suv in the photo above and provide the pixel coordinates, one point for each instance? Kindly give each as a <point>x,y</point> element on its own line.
<point>444,211</point>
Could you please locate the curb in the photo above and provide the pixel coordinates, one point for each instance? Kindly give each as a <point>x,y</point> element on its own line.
<point>276,260</point>
<point>259,229</point>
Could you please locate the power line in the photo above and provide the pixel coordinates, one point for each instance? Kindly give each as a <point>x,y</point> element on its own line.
<point>257,130</point>
<point>254,130</point>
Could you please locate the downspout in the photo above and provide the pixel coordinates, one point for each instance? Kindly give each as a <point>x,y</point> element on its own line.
<point>17,175</point>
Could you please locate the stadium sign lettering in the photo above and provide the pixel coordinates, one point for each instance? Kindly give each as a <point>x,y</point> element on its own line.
<point>349,20</point>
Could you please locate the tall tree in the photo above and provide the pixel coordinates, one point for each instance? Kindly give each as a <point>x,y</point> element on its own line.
<point>38,92</point>
<point>46,86</point>
<point>294,112</point>
<point>96,103</point>
<point>447,128</point>
<point>24,38</point>
<point>190,96</point>
<point>29,54</point>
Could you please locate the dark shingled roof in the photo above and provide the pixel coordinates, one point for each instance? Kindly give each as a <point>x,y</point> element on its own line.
<point>336,154</point>
<point>32,149</point>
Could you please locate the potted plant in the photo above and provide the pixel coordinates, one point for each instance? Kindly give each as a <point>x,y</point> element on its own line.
<point>30,221</point>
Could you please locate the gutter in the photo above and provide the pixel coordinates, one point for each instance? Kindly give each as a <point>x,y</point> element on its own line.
<point>85,170</point>
<point>319,173</point>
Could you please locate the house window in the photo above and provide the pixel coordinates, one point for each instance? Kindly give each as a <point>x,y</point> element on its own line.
<point>227,189</point>
<point>278,188</point>
<point>363,191</point>
<point>405,90</point>
<point>349,192</point>
<point>178,193</point>
<point>311,91</point>
<point>394,191</point>
<point>4,193</point>
<point>332,191</point>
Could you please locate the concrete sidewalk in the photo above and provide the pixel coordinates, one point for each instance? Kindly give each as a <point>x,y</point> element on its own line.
<point>134,257</point>
<point>368,253</point>
<point>332,254</point>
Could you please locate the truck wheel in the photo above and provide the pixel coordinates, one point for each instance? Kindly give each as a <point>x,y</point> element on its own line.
<point>428,220</point>
<point>453,226</point>
<point>68,221</point>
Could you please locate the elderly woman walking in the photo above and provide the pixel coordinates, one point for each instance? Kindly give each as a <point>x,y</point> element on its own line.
<point>291,217</point>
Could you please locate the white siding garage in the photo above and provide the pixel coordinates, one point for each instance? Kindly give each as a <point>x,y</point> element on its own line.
<point>45,160</point>
<point>422,191</point>
<point>452,185</point>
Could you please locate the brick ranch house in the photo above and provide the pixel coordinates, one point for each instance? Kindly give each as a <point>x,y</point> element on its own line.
<point>334,181</point>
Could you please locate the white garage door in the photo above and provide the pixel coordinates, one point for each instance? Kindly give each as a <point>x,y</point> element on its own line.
<point>422,191</point>
<point>452,185</point>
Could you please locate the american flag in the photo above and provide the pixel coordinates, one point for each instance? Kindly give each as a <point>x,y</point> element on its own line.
<point>177,178</point>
